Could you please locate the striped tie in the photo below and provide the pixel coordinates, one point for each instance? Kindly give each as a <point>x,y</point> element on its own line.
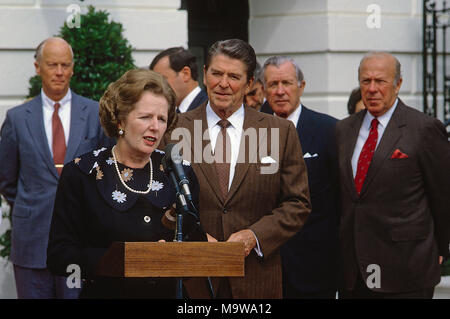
<point>365,158</point>
<point>222,157</point>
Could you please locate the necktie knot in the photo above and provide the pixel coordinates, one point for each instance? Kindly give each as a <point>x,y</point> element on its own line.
<point>374,124</point>
<point>57,106</point>
<point>223,124</point>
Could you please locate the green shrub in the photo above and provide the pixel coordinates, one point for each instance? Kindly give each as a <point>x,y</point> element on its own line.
<point>101,54</point>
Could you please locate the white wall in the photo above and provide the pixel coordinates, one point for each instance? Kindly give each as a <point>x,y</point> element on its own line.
<point>328,38</point>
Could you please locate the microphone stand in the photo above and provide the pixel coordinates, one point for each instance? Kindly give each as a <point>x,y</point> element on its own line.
<point>182,208</point>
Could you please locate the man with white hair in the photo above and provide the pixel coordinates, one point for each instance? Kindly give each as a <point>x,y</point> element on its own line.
<point>309,258</point>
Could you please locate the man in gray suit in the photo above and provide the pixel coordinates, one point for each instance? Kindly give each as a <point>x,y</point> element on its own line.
<point>36,139</point>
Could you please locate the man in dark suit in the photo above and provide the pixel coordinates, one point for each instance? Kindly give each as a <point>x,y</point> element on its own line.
<point>179,67</point>
<point>259,194</point>
<point>37,138</point>
<point>394,167</point>
<point>310,259</point>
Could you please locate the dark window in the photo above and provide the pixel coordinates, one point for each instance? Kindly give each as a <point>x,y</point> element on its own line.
<point>213,20</point>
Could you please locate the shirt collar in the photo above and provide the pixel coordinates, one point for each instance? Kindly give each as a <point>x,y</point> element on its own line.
<point>294,116</point>
<point>382,119</point>
<point>184,105</point>
<point>236,119</point>
<point>46,101</point>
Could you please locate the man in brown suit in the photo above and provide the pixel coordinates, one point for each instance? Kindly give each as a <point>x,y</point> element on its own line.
<point>394,164</point>
<point>259,195</point>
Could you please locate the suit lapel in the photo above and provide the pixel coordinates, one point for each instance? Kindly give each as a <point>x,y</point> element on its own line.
<point>305,129</point>
<point>35,122</point>
<point>208,170</point>
<point>391,135</point>
<point>77,126</point>
<point>351,137</point>
<point>200,98</point>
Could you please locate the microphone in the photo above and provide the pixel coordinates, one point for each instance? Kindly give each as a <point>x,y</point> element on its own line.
<point>172,165</point>
<point>175,161</point>
<point>168,167</point>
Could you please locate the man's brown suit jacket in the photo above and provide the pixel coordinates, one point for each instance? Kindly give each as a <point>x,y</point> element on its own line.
<point>274,206</point>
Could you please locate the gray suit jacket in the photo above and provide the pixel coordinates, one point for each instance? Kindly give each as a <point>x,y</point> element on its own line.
<point>28,177</point>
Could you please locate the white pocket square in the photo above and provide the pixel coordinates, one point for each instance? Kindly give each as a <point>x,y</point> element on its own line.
<point>307,155</point>
<point>267,160</point>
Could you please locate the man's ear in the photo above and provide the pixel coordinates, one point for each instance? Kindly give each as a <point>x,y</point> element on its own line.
<point>249,85</point>
<point>303,84</point>
<point>398,86</point>
<point>37,68</point>
<point>204,75</point>
<point>185,73</point>
<point>302,87</point>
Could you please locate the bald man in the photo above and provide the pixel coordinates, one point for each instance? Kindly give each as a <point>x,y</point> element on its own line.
<point>36,139</point>
<point>394,167</point>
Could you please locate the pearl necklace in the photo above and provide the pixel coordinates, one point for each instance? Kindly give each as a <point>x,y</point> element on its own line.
<point>123,183</point>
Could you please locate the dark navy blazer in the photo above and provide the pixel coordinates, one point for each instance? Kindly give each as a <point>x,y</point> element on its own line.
<point>201,98</point>
<point>310,257</point>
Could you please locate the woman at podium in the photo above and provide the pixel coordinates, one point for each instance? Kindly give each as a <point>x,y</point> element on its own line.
<point>119,194</point>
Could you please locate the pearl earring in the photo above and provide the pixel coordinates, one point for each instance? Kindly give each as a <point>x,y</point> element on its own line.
<point>121,131</point>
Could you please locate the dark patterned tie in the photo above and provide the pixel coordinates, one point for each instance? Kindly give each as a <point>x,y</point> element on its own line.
<point>222,157</point>
<point>365,158</point>
<point>59,141</point>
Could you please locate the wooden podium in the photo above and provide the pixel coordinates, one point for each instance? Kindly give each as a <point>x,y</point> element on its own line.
<point>172,259</point>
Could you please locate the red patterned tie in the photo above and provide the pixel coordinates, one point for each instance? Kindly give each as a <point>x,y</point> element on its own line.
<point>366,155</point>
<point>223,162</point>
<point>59,141</point>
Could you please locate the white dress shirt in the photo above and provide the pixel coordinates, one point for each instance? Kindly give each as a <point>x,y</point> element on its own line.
<point>63,112</point>
<point>184,105</point>
<point>294,116</point>
<point>365,130</point>
<point>235,132</point>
